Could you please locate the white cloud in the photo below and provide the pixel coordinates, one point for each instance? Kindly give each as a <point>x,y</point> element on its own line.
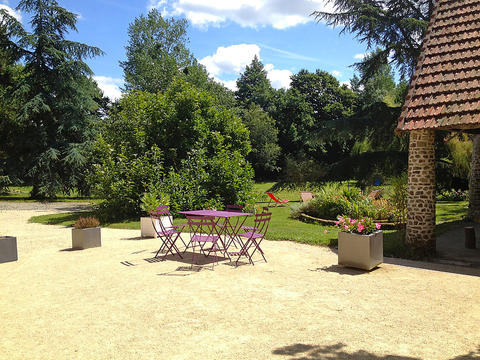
<point>229,84</point>
<point>12,12</point>
<point>278,78</point>
<point>230,59</point>
<point>110,86</point>
<point>233,60</point>
<point>289,54</point>
<point>280,14</point>
<point>336,73</point>
<point>361,56</point>
<point>347,83</point>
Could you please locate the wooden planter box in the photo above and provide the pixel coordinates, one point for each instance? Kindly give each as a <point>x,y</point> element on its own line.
<point>146,226</point>
<point>86,238</point>
<point>360,251</point>
<point>8,249</point>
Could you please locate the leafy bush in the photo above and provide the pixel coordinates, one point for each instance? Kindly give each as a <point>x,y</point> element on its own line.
<point>397,192</point>
<point>453,195</point>
<point>204,182</point>
<point>335,199</point>
<point>175,143</point>
<point>120,180</point>
<point>153,198</point>
<point>86,222</point>
<point>4,184</point>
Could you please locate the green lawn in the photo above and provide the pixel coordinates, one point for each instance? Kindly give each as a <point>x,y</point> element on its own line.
<point>282,227</point>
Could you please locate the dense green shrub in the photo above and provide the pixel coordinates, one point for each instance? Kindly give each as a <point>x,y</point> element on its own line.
<point>453,195</point>
<point>336,199</point>
<point>203,182</point>
<point>176,143</point>
<point>397,192</point>
<point>120,179</point>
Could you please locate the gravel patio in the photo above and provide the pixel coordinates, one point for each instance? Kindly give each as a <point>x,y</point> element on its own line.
<point>117,302</point>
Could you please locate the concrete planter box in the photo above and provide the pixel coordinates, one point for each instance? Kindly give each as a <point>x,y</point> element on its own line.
<point>146,226</point>
<point>360,251</point>
<point>86,238</point>
<point>8,249</point>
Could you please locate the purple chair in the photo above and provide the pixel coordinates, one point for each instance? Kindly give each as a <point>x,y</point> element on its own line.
<point>167,234</point>
<point>254,238</point>
<point>204,230</point>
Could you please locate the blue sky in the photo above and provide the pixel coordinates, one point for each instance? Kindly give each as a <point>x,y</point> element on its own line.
<point>224,36</point>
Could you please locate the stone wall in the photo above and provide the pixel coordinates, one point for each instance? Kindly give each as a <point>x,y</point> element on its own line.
<point>421,193</point>
<point>474,186</point>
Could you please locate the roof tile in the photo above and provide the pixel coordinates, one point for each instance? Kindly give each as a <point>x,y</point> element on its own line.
<point>445,90</point>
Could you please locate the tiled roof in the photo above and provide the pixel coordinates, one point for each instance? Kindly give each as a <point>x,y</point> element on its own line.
<point>445,90</point>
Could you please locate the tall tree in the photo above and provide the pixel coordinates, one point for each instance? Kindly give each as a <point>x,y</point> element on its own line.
<point>379,87</point>
<point>156,52</point>
<point>264,140</point>
<point>53,125</point>
<point>254,86</point>
<point>328,98</point>
<point>395,27</point>
<point>10,72</point>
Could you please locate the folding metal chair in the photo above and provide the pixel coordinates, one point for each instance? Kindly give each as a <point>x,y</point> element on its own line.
<point>168,234</point>
<point>236,239</point>
<point>204,230</point>
<point>254,238</point>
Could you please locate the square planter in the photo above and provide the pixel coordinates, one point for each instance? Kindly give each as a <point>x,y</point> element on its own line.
<point>8,249</point>
<point>146,225</point>
<point>86,238</point>
<point>360,251</point>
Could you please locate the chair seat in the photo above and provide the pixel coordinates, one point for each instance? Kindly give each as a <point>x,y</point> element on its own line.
<point>236,253</point>
<point>205,238</point>
<point>249,228</point>
<point>178,226</point>
<point>251,234</point>
<point>168,232</point>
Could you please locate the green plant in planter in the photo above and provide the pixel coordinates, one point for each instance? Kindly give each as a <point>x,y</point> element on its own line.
<point>151,200</point>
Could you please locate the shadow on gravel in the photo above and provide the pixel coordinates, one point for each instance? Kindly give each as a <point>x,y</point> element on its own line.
<point>337,352</point>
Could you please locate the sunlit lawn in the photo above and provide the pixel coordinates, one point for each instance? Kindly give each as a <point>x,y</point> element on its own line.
<point>282,227</point>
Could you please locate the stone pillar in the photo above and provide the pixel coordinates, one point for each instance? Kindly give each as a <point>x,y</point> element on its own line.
<point>474,184</point>
<point>421,193</point>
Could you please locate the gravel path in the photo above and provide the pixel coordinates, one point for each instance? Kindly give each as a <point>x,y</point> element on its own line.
<point>44,206</point>
<point>118,302</point>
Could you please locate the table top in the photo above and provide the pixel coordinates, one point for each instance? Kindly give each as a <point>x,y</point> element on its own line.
<point>216,213</point>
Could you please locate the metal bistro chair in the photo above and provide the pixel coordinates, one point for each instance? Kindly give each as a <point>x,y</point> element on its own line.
<point>240,208</point>
<point>254,238</point>
<point>204,230</point>
<point>167,234</point>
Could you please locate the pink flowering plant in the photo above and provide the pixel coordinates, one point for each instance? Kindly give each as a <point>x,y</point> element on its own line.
<point>363,226</point>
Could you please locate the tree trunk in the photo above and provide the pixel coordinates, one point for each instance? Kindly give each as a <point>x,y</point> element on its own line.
<point>474,184</point>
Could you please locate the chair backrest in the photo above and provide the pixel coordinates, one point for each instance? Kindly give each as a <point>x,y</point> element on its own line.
<point>202,224</point>
<point>160,211</point>
<point>262,221</point>
<point>306,196</point>
<point>375,194</point>
<point>157,214</point>
<point>234,208</point>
